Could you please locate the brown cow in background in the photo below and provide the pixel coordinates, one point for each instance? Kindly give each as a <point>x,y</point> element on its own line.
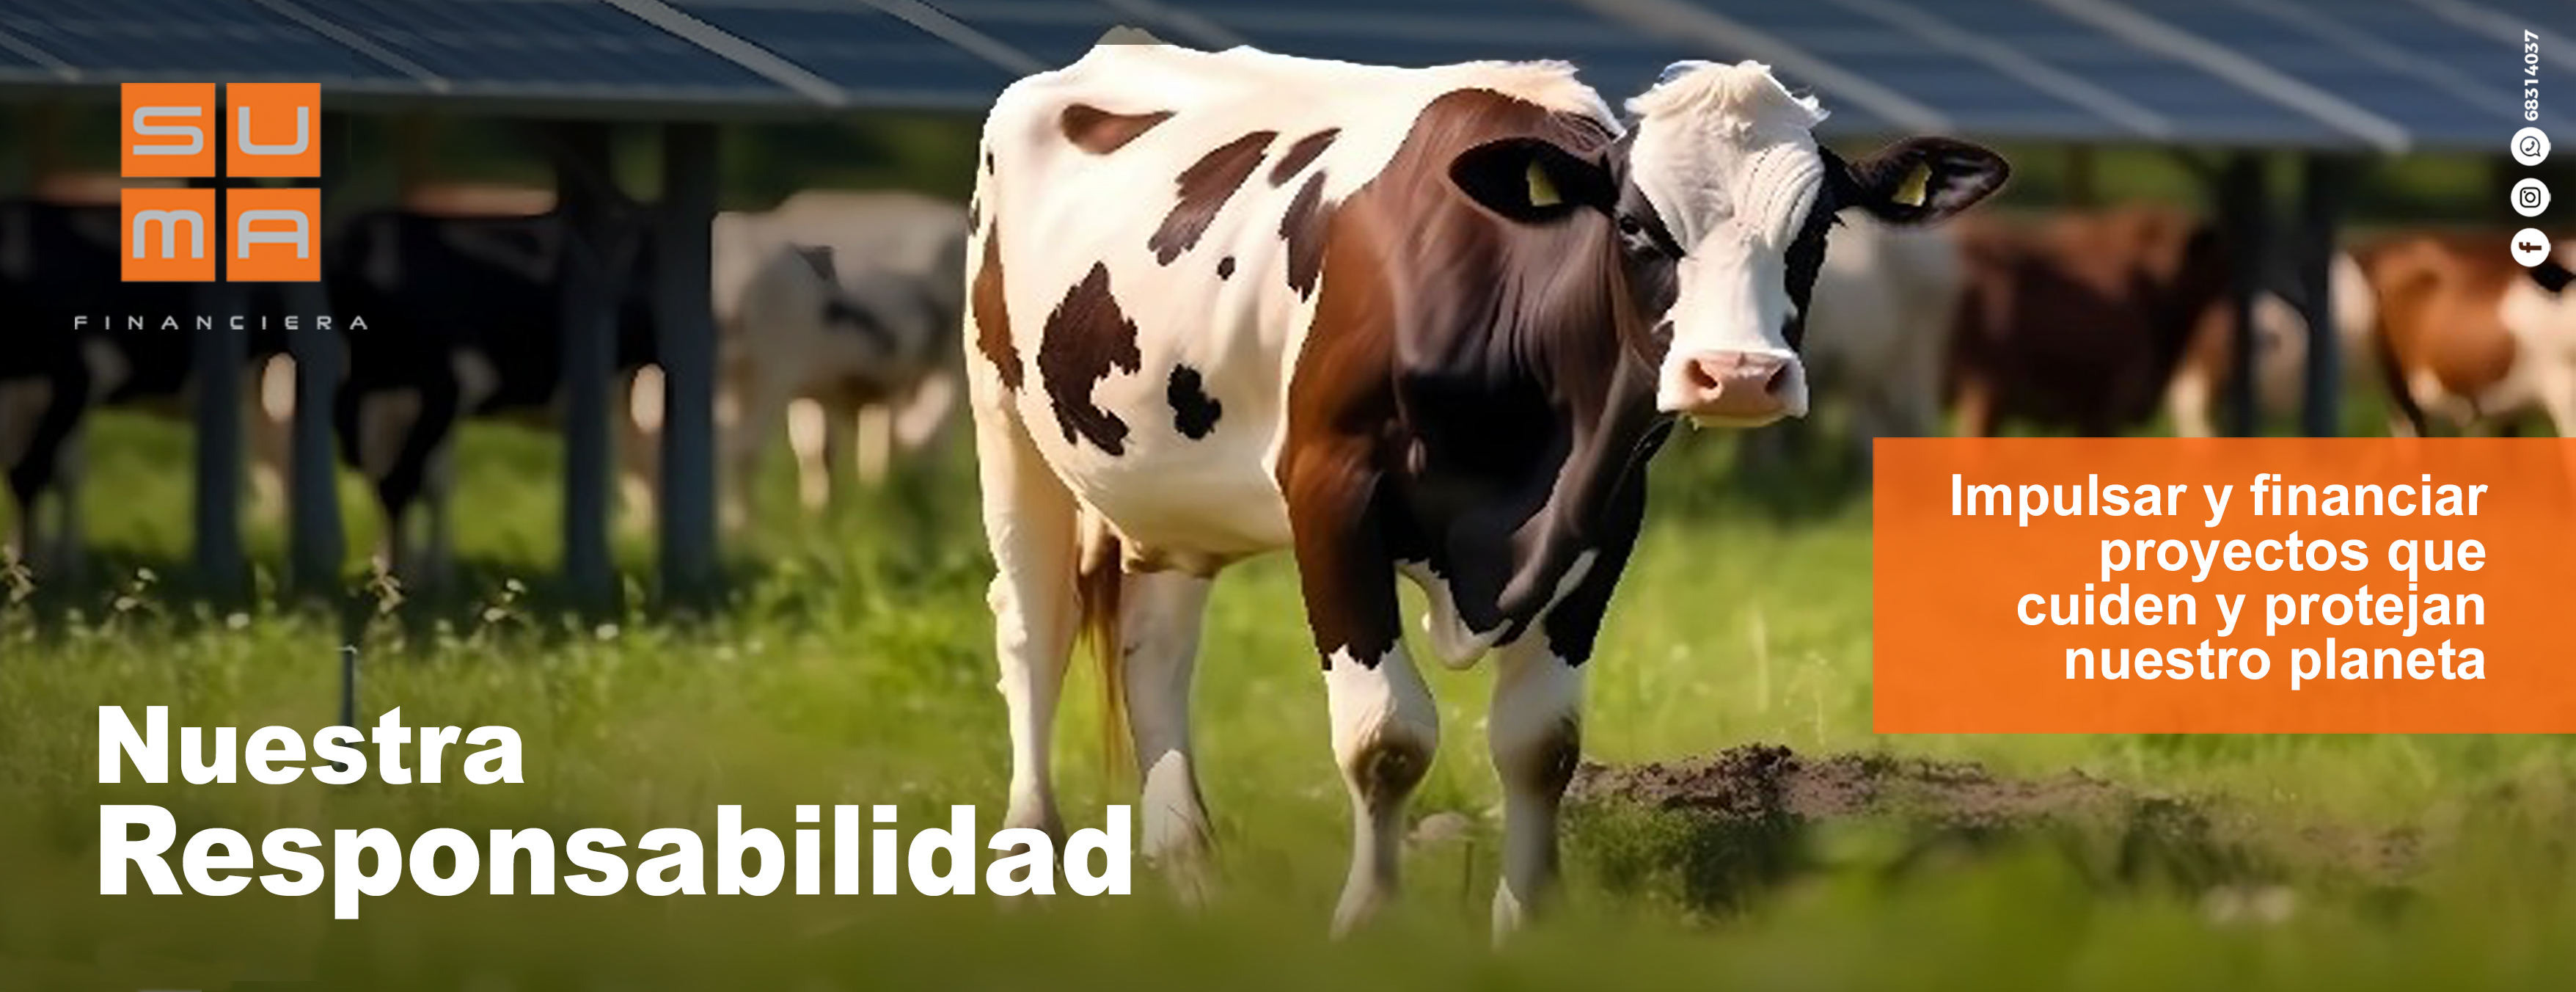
<point>2470,336</point>
<point>2078,321</point>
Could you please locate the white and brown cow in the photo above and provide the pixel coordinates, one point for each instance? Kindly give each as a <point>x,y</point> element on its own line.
<point>2467,336</point>
<point>1427,321</point>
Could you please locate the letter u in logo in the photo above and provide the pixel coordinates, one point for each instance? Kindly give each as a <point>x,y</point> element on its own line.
<point>262,145</point>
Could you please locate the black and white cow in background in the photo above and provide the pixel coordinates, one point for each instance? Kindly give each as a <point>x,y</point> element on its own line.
<point>464,319</point>
<point>75,337</point>
<point>1429,322</point>
<point>835,311</point>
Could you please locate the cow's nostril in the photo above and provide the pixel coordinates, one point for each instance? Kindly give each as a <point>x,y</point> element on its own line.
<point>1776,381</point>
<point>1704,376</point>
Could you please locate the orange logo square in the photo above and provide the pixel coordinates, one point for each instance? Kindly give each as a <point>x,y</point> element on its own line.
<point>276,130</point>
<point>169,130</point>
<point>274,234</point>
<point>168,235</point>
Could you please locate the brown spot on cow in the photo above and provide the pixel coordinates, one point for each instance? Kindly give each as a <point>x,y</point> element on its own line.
<point>1225,267</point>
<point>1302,154</point>
<point>993,316</point>
<point>1204,188</point>
<point>1101,132</point>
<point>1411,301</point>
<point>1086,338</point>
<point>1303,228</point>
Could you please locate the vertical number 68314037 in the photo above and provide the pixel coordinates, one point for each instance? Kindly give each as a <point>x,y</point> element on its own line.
<point>2531,76</point>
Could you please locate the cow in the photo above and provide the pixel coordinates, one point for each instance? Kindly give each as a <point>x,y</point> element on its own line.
<point>463,318</point>
<point>1420,321</point>
<point>2198,388</point>
<point>2468,336</point>
<point>2079,320</point>
<point>82,338</point>
<point>842,307</point>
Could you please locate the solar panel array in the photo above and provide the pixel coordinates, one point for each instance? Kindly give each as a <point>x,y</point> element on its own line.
<point>2372,75</point>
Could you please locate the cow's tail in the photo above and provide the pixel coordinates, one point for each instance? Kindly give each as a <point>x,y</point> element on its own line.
<point>1099,586</point>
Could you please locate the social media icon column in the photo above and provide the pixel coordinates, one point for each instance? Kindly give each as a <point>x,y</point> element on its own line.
<point>2530,198</point>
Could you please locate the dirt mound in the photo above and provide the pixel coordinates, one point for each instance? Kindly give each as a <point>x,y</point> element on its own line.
<point>1750,817</point>
<point>1768,781</point>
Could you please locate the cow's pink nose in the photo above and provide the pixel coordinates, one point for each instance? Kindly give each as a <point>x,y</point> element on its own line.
<point>1731,387</point>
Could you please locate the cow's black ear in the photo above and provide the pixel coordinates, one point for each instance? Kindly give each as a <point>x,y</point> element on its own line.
<point>1532,181</point>
<point>1918,180</point>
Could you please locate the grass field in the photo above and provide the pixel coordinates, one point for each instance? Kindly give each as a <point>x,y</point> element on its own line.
<point>854,667</point>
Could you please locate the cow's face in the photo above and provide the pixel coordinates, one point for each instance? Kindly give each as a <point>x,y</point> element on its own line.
<point>1720,200</point>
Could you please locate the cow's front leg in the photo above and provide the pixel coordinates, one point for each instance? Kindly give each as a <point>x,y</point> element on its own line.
<point>1535,732</point>
<point>1385,726</point>
<point>1535,727</point>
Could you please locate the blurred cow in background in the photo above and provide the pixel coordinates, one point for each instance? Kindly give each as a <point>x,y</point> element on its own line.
<point>2197,393</point>
<point>2080,320</point>
<point>78,337</point>
<point>2467,335</point>
<point>464,319</point>
<point>836,312</point>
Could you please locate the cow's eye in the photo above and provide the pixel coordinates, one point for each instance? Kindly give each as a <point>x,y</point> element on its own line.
<point>1631,226</point>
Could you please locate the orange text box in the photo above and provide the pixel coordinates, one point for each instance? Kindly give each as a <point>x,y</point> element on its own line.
<point>1955,650</point>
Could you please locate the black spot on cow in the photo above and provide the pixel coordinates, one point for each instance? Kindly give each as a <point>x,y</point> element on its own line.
<point>1303,228</point>
<point>1302,154</point>
<point>1086,338</point>
<point>1225,267</point>
<point>993,316</point>
<point>1194,412</point>
<point>1204,188</point>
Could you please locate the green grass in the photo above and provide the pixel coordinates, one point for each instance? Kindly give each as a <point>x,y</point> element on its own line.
<point>853,666</point>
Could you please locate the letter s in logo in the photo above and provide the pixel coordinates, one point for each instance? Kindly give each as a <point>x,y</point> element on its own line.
<point>195,134</point>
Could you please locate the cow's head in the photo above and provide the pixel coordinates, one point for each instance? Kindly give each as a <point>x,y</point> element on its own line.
<point>1720,200</point>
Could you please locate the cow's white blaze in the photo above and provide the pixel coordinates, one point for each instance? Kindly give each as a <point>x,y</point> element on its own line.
<point>1727,157</point>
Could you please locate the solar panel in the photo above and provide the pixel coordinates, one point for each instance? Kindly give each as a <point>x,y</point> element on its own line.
<point>2436,75</point>
<point>879,57</point>
<point>2187,102</point>
<point>1053,33</point>
<point>583,54</point>
<point>540,44</point>
<point>194,41</point>
<point>2313,73</point>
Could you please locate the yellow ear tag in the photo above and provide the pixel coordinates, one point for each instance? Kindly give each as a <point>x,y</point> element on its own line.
<point>1917,186</point>
<point>1542,190</point>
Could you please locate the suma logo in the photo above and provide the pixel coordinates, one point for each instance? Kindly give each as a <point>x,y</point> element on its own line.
<point>171,131</point>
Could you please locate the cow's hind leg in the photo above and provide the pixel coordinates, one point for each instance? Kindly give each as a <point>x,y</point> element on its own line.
<point>1029,520</point>
<point>1385,725</point>
<point>1163,611</point>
